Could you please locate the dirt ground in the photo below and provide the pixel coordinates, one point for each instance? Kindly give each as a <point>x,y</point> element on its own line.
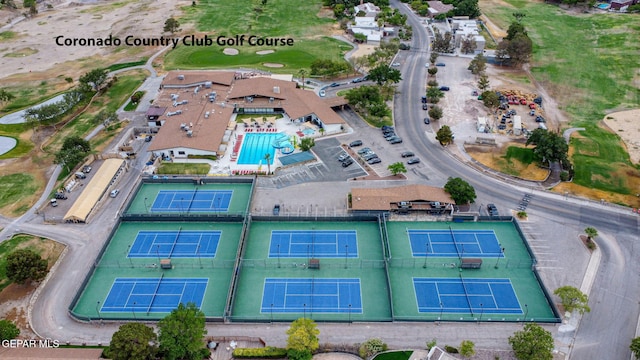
<point>35,37</point>
<point>14,299</point>
<point>627,125</point>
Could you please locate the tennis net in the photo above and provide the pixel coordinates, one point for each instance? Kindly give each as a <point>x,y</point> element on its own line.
<point>155,292</point>
<point>175,242</point>
<point>466,293</point>
<point>453,238</point>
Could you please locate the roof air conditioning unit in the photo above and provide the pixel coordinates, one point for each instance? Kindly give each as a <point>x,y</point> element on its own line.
<point>189,133</point>
<point>276,89</point>
<point>180,77</point>
<point>206,115</point>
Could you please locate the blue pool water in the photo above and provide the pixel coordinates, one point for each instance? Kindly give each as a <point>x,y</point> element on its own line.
<point>308,131</point>
<point>255,146</point>
<point>603,6</point>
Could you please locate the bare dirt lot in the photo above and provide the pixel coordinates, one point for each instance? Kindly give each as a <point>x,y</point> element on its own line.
<point>33,48</point>
<point>627,126</point>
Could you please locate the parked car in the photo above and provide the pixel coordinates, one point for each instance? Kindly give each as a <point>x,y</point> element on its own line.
<point>441,64</point>
<point>54,202</point>
<point>413,160</point>
<point>426,121</point>
<point>80,175</point>
<point>356,80</point>
<point>276,209</point>
<point>60,196</point>
<point>334,85</point>
<point>322,93</point>
<point>396,140</point>
<point>347,162</point>
<point>364,150</point>
<point>114,193</point>
<point>386,127</point>
<point>424,99</point>
<point>355,143</point>
<point>395,64</point>
<point>390,135</point>
<point>374,161</point>
<point>86,169</point>
<point>407,154</point>
<point>148,138</point>
<point>444,88</point>
<point>425,107</point>
<point>344,156</point>
<point>370,156</point>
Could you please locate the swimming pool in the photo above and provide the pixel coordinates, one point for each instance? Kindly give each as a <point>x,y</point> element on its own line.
<point>308,131</point>
<point>604,6</point>
<point>255,146</point>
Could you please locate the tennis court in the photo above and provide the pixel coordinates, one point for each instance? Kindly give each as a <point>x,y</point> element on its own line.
<point>313,243</point>
<point>175,244</point>
<point>301,295</point>
<point>475,296</point>
<point>153,295</point>
<point>192,200</point>
<point>454,243</point>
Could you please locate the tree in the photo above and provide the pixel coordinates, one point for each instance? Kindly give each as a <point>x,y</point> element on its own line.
<point>383,74</point>
<point>433,57</point>
<point>442,43</point>
<point>307,143</point>
<point>478,65</point>
<point>467,348</point>
<point>8,330</point>
<point>435,113</point>
<point>397,168</point>
<point>520,49</point>
<point>518,15</point>
<point>371,347</point>
<point>444,135</point>
<point>591,232</point>
<point>515,29</point>
<point>461,191</point>
<point>434,94</point>
<point>468,44</point>
<point>94,79</point>
<point>490,99</point>
<point>573,299</point>
<point>25,264</point>
<point>483,83</point>
<point>6,96</point>
<point>181,333</point>
<point>635,347</point>
<point>550,147</point>
<point>303,339</point>
<point>267,158</point>
<point>501,52</point>
<point>76,143</point>
<point>532,343</point>
<point>360,38</point>
<point>133,341</point>
<point>432,71</point>
<point>171,25</point>
<point>467,8</point>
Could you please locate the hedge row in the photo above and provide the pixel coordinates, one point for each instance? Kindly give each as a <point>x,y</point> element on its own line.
<point>268,352</point>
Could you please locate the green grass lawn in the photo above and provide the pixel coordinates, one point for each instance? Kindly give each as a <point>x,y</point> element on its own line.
<point>524,155</point>
<point>297,20</point>
<point>15,187</point>
<point>589,63</point>
<point>184,169</point>
<point>394,355</point>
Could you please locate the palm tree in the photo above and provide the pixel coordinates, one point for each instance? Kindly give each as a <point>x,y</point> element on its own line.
<point>591,233</point>
<point>302,73</point>
<point>267,157</point>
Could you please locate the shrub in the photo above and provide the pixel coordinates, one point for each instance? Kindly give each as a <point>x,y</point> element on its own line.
<point>450,349</point>
<point>564,176</point>
<point>268,352</point>
<point>522,214</point>
<point>372,347</point>
<point>431,344</point>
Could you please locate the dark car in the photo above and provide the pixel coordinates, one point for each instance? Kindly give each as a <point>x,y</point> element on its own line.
<point>389,135</point>
<point>370,156</point>
<point>444,88</point>
<point>413,160</point>
<point>396,140</point>
<point>424,99</point>
<point>386,127</point>
<point>347,162</point>
<point>441,64</point>
<point>276,209</point>
<point>60,196</point>
<point>374,161</point>
<point>148,138</point>
<point>426,121</point>
<point>364,150</point>
<point>355,143</point>
<point>425,107</point>
<point>334,85</point>
<point>407,154</point>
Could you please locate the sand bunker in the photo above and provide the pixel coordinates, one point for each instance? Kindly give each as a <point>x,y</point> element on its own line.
<point>230,51</point>
<point>265,52</point>
<point>7,144</point>
<point>625,124</point>
<point>273,65</point>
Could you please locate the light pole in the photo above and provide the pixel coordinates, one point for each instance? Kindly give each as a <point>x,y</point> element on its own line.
<point>500,246</point>
<point>181,206</point>
<point>146,207</point>
<point>426,254</point>
<point>308,255</point>
<point>349,314</point>
<point>278,256</point>
<point>481,312</point>
<point>526,312</point>
<point>98,310</point>
<point>440,318</point>
<point>128,251</point>
<point>346,254</point>
<point>271,313</point>
<point>133,311</point>
<point>158,252</point>
<point>198,254</point>
<point>304,310</point>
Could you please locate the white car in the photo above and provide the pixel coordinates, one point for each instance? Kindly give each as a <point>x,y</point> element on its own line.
<point>322,93</point>
<point>395,64</point>
<point>114,193</point>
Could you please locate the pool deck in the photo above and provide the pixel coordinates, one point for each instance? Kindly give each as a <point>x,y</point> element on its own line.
<point>226,165</point>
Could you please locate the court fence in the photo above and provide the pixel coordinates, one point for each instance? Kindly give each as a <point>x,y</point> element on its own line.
<point>435,262</point>
<point>220,217</point>
<point>201,263</point>
<point>289,263</point>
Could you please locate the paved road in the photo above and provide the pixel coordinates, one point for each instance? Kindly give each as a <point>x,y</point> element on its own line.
<point>617,284</point>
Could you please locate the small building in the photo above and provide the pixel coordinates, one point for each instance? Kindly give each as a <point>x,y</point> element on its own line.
<point>153,115</point>
<point>482,124</point>
<point>402,199</point>
<point>368,26</point>
<point>438,7</point>
<point>621,4</point>
<point>464,28</point>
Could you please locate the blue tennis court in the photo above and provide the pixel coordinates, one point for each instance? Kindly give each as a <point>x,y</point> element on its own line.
<point>450,295</point>
<point>299,295</point>
<point>313,243</point>
<point>175,244</point>
<point>192,200</point>
<point>153,295</point>
<point>456,243</point>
